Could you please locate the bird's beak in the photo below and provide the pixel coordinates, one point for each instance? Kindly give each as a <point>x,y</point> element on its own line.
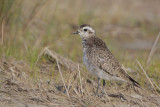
<point>77,32</point>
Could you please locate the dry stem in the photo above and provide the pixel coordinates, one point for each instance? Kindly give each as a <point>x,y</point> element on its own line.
<point>63,80</point>
<point>146,75</point>
<point>80,78</point>
<point>153,49</point>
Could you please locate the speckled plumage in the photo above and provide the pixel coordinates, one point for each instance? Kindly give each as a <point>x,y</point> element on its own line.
<point>99,60</point>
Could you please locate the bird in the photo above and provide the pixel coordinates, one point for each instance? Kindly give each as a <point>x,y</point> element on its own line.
<point>99,60</point>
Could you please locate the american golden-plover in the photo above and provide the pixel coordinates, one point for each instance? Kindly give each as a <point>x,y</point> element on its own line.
<point>99,60</point>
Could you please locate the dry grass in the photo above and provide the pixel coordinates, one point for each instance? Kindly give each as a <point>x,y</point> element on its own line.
<point>66,90</point>
<point>153,49</point>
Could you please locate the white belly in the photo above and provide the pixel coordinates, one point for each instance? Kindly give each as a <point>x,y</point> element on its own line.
<point>90,67</point>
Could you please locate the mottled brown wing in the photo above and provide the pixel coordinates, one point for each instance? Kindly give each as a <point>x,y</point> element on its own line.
<point>105,61</point>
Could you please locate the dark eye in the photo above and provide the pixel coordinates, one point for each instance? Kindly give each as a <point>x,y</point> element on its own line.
<point>85,30</point>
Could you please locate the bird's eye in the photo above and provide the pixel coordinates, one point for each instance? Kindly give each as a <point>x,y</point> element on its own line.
<point>85,30</point>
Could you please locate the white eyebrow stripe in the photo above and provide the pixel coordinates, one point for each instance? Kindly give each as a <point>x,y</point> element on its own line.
<point>89,28</point>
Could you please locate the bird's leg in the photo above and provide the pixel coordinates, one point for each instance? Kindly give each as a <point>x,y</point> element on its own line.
<point>102,91</point>
<point>98,86</point>
<point>104,82</point>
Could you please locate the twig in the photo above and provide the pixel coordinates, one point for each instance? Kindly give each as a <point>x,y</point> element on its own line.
<point>75,90</point>
<point>66,63</point>
<point>80,79</point>
<point>153,49</point>
<point>124,68</point>
<point>146,75</point>
<point>63,80</point>
<point>156,85</point>
<point>107,96</point>
<point>39,56</point>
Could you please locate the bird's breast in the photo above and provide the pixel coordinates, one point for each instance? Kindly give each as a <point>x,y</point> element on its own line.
<point>86,59</point>
<point>89,64</point>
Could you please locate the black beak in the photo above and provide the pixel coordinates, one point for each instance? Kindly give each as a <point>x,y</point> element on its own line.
<point>77,32</point>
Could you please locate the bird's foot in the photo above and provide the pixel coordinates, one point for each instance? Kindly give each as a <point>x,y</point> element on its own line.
<point>101,94</point>
<point>119,95</point>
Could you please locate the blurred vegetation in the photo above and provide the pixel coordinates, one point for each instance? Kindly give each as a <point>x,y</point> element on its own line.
<point>28,26</point>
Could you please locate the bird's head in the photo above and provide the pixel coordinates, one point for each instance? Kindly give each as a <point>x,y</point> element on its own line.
<point>85,31</point>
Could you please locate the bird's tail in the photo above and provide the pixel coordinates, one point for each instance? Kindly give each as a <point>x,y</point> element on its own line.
<point>134,83</point>
<point>130,80</point>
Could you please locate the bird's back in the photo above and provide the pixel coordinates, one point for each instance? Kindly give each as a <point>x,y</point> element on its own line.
<point>97,57</point>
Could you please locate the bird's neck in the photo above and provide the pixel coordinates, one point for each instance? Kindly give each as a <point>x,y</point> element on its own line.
<point>93,41</point>
<point>88,37</point>
<point>88,41</point>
